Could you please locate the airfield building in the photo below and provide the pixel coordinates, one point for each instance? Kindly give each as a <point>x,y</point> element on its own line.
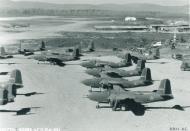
<point>152,28</point>
<point>125,28</point>
<point>130,19</point>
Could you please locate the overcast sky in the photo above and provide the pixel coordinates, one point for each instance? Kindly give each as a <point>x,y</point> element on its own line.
<point>160,2</point>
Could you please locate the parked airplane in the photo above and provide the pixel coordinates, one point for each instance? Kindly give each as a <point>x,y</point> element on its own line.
<point>90,48</point>
<point>185,66</point>
<point>152,55</point>
<point>98,63</point>
<point>113,72</point>
<point>132,100</point>
<point>144,80</point>
<point>58,59</point>
<point>4,55</point>
<point>135,55</point>
<point>28,52</point>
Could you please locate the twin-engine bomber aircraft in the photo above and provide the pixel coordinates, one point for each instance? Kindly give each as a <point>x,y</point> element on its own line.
<point>113,72</point>
<point>155,54</point>
<point>28,52</point>
<point>90,48</point>
<point>135,56</point>
<point>132,100</point>
<point>98,63</point>
<point>58,59</point>
<point>144,80</point>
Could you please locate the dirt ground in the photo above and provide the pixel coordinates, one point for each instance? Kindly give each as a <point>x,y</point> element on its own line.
<point>64,105</point>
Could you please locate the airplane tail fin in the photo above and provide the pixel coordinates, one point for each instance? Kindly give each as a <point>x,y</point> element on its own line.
<point>165,87</point>
<point>20,48</point>
<point>91,46</point>
<point>128,59</point>
<point>3,51</point>
<point>76,53</point>
<point>16,78</point>
<point>140,65</point>
<point>157,53</point>
<point>146,74</point>
<point>3,96</point>
<point>43,46</point>
<point>80,48</point>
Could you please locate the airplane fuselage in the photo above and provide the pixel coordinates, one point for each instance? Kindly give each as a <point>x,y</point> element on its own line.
<point>96,82</point>
<point>112,72</point>
<point>97,63</point>
<point>139,97</point>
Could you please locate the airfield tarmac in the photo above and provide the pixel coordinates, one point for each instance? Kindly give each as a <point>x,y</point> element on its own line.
<point>64,105</point>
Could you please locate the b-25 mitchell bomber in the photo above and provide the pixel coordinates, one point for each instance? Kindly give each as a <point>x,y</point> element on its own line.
<point>144,80</point>
<point>98,63</point>
<point>90,48</point>
<point>152,55</point>
<point>117,97</point>
<point>58,59</point>
<point>113,72</point>
<point>28,52</point>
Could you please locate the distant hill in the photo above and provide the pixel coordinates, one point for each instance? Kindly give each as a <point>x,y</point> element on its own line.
<point>10,5</point>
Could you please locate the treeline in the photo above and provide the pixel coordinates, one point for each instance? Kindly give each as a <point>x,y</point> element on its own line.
<point>50,12</point>
<point>82,12</point>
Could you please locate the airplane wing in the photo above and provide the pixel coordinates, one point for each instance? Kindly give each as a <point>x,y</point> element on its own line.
<point>129,103</point>
<point>123,98</point>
